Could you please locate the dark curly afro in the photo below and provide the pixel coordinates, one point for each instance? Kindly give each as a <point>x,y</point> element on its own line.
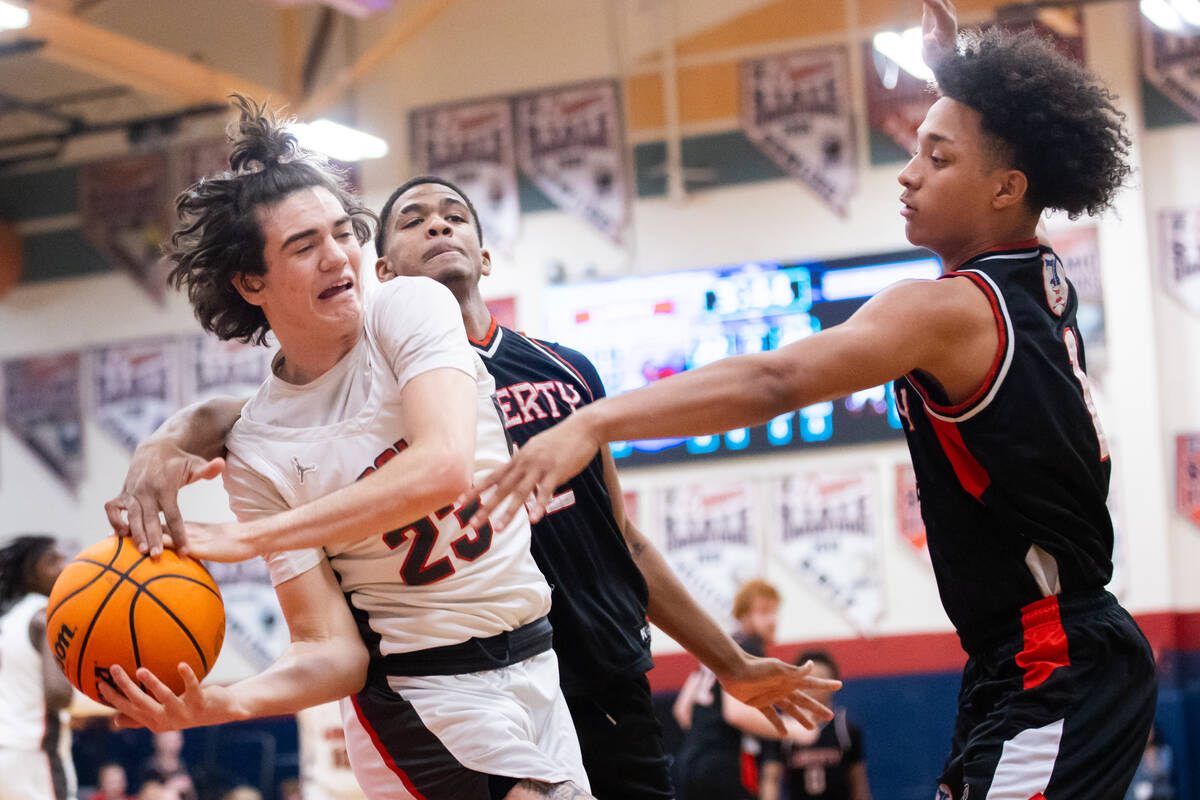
<point>1047,116</point>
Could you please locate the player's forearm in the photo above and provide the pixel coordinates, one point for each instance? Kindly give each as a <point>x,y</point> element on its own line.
<point>772,776</point>
<point>199,429</point>
<point>678,615</point>
<point>731,393</point>
<point>413,484</point>
<point>307,674</point>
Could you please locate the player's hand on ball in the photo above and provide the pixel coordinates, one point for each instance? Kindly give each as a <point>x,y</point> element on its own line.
<point>157,471</point>
<point>159,709</point>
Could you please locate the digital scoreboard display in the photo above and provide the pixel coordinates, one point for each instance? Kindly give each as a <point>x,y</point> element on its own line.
<point>640,329</point>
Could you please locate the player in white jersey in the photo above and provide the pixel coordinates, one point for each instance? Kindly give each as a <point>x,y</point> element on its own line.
<point>35,740</point>
<point>343,471</point>
<point>325,772</point>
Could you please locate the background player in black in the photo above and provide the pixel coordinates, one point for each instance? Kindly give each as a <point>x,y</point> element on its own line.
<point>1014,473</point>
<point>826,764</point>
<point>596,560</point>
<point>712,762</point>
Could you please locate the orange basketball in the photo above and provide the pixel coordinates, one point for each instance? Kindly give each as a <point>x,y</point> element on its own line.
<point>113,605</point>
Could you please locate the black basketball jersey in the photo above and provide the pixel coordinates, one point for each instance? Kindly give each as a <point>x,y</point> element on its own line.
<point>821,770</point>
<point>1013,481</point>
<point>599,595</point>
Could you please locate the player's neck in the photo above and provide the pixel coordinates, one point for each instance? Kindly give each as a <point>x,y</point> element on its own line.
<point>476,316</point>
<point>1005,233</point>
<point>304,361</point>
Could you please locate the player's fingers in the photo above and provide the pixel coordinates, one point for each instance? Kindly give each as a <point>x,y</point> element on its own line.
<point>798,713</point>
<point>202,470</point>
<point>152,525</point>
<point>157,689</point>
<point>137,528</point>
<point>175,527</point>
<point>115,511</point>
<point>190,682</point>
<point>773,717</point>
<point>129,691</point>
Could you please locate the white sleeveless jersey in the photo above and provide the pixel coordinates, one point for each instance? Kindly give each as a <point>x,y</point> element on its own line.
<point>22,693</point>
<point>433,582</point>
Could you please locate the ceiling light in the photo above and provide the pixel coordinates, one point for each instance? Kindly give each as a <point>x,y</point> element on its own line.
<point>339,141</point>
<point>1162,14</point>
<point>12,17</point>
<point>905,50</point>
<point>1189,10</point>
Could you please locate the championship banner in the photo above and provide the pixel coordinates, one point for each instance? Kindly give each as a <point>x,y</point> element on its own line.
<point>135,387</point>
<point>126,213</point>
<point>212,367</point>
<point>823,526</point>
<point>1079,250</point>
<point>571,145</point>
<point>1171,63</point>
<point>909,523</point>
<point>254,623</point>
<point>1187,476</point>
<point>43,410</point>
<point>1180,254</point>
<point>796,108</point>
<point>471,145</point>
<point>710,539</point>
<point>896,101</point>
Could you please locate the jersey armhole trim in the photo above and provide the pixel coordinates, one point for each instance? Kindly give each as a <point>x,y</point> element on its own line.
<point>981,397</point>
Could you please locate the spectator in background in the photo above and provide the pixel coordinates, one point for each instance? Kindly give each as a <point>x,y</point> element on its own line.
<point>825,764</point>
<point>1152,781</point>
<point>712,766</point>
<point>35,740</point>
<point>155,789</point>
<point>166,764</point>
<point>243,793</point>
<point>113,783</point>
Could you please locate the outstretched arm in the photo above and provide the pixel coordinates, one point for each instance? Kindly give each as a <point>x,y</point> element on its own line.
<point>945,328</point>
<point>187,447</point>
<point>326,660</point>
<point>766,683</point>
<point>939,31</point>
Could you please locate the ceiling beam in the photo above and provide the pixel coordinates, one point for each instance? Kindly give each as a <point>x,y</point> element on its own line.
<point>402,30</point>
<point>120,59</point>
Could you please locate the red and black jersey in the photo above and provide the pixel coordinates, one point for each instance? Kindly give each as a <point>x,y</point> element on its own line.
<point>1013,481</point>
<point>599,596</point>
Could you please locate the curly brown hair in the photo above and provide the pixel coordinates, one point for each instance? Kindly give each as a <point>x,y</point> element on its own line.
<point>219,235</point>
<point>1047,116</point>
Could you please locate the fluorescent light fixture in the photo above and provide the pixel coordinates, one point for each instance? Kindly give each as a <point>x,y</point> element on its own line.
<point>1162,14</point>
<point>905,50</point>
<point>12,17</point>
<point>339,141</point>
<point>1189,10</point>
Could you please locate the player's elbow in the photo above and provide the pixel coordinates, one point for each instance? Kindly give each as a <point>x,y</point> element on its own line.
<point>449,474</point>
<point>351,669</point>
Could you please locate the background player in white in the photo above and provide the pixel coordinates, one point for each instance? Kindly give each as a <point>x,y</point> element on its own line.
<point>377,416</point>
<point>325,772</point>
<point>35,739</point>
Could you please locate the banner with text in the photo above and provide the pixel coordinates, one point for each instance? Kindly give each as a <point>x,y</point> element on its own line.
<point>135,387</point>
<point>125,212</point>
<point>909,523</point>
<point>1180,254</point>
<point>1187,476</point>
<point>571,145</point>
<point>212,367</point>
<point>471,145</point>
<point>1171,63</point>
<point>1079,249</point>
<point>824,527</point>
<point>796,108</point>
<point>710,539</point>
<point>43,409</point>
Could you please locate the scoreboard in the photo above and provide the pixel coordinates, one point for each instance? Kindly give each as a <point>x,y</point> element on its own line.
<point>640,329</point>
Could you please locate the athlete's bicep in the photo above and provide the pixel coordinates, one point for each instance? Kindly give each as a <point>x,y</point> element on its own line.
<point>440,408</point>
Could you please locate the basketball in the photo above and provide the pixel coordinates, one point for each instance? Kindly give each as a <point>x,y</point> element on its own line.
<point>113,605</point>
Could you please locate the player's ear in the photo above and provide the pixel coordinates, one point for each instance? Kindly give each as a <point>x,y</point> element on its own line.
<point>1011,186</point>
<point>249,287</point>
<point>485,260</point>
<point>383,270</point>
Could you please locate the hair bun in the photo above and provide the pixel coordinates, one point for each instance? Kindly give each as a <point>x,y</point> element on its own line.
<point>259,137</point>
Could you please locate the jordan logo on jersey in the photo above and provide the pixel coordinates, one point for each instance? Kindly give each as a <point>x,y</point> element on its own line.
<point>302,469</point>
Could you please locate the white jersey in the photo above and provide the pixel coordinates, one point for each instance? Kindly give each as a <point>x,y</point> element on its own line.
<point>35,752</point>
<point>434,582</point>
<point>325,772</point>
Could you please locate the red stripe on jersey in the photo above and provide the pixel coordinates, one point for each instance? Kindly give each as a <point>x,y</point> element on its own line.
<point>383,752</point>
<point>997,359</point>
<point>1045,641</point>
<point>487,337</point>
<point>970,472</point>
<point>749,770</point>
<point>586,387</point>
<point>1038,796</point>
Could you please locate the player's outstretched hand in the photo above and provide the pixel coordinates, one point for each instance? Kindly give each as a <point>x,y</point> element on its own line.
<point>543,464</point>
<point>939,31</point>
<point>219,541</point>
<point>777,688</point>
<point>158,708</point>
<point>157,471</point>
